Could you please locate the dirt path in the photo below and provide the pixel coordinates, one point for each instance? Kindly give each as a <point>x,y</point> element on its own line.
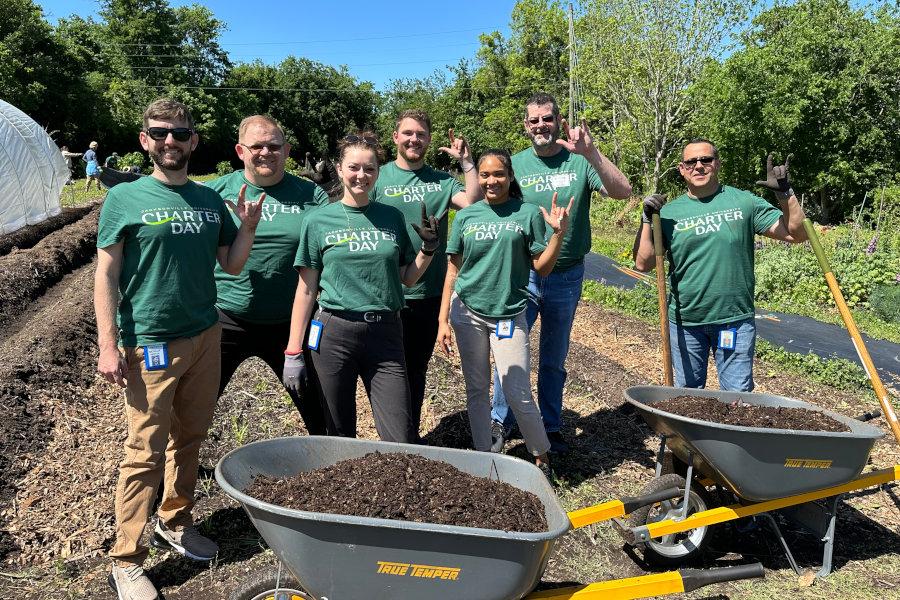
<point>61,433</point>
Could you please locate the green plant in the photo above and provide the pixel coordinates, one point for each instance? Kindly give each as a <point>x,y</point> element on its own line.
<point>239,429</point>
<point>224,168</point>
<point>885,302</point>
<point>132,159</point>
<point>291,165</point>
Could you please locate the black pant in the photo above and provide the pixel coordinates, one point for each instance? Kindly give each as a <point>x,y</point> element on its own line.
<point>241,340</point>
<point>420,327</point>
<point>350,348</point>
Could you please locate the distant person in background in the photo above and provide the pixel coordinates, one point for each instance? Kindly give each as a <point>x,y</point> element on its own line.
<point>112,161</point>
<point>68,156</point>
<point>92,170</point>
<point>708,234</point>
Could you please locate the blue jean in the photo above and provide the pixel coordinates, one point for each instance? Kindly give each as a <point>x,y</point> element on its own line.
<point>554,298</point>
<point>690,355</point>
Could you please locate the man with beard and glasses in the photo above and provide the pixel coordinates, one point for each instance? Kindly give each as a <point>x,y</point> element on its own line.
<point>157,329</point>
<point>408,183</point>
<point>709,235</point>
<point>255,305</point>
<point>571,167</point>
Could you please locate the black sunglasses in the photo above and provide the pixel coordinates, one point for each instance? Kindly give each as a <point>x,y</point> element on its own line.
<point>181,134</point>
<point>361,139</point>
<point>545,119</point>
<point>258,148</point>
<point>703,160</point>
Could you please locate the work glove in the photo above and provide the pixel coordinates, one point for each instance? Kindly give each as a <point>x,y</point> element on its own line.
<point>777,178</point>
<point>428,231</point>
<point>294,374</point>
<point>652,204</point>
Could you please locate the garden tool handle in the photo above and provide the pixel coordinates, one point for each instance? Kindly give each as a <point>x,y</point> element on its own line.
<point>883,398</point>
<point>660,252</point>
<point>693,579</point>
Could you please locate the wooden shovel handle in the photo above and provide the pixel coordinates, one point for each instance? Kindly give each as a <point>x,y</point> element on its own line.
<point>663,305</point>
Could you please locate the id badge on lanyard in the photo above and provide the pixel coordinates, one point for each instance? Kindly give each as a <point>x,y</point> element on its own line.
<point>315,334</point>
<point>156,357</point>
<point>505,329</point>
<point>727,339</point>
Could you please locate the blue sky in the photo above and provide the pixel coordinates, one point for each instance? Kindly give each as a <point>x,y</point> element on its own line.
<point>399,39</point>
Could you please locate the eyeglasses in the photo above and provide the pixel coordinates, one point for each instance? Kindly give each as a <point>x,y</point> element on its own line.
<point>545,119</point>
<point>180,134</point>
<point>368,140</point>
<point>703,160</point>
<point>258,148</point>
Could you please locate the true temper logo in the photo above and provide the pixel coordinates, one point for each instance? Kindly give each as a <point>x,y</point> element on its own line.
<point>709,223</point>
<point>807,463</point>
<point>271,209</point>
<point>421,571</point>
<point>180,221</point>
<point>548,181</point>
<point>365,240</point>
<point>490,231</point>
<point>411,193</point>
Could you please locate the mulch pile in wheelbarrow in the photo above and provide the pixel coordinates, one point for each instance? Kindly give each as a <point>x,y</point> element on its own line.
<point>405,487</point>
<point>749,415</point>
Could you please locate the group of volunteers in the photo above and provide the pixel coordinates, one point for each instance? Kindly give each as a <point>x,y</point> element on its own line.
<point>193,279</point>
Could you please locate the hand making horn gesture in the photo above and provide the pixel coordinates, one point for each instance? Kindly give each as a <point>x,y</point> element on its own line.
<point>248,213</point>
<point>777,177</point>
<point>459,149</point>
<point>428,231</point>
<point>578,140</point>
<point>558,217</point>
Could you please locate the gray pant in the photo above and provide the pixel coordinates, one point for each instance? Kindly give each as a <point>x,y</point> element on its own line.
<point>476,337</point>
<point>373,351</point>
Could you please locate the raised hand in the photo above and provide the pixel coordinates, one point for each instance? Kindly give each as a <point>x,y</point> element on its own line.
<point>578,140</point>
<point>249,213</point>
<point>428,231</point>
<point>777,176</point>
<point>558,217</point>
<point>652,204</point>
<point>458,148</point>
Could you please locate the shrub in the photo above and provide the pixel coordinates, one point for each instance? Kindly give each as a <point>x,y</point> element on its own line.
<point>885,302</point>
<point>132,159</point>
<point>224,168</point>
<point>291,165</point>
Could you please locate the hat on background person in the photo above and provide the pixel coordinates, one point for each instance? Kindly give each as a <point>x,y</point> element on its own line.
<point>92,145</point>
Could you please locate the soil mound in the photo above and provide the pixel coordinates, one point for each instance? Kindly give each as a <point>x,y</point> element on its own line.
<point>405,487</point>
<point>29,236</point>
<point>749,415</point>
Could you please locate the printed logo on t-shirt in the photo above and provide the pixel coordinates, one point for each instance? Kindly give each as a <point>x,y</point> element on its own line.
<point>548,181</point>
<point>359,240</point>
<point>490,230</point>
<point>411,193</point>
<point>180,220</point>
<point>709,223</point>
<point>272,209</point>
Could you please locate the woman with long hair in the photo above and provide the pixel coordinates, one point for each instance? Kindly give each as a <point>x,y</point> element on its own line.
<point>358,253</point>
<point>492,246</point>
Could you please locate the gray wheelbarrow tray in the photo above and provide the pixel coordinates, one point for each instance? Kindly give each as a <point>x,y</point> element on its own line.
<point>339,557</point>
<point>756,463</point>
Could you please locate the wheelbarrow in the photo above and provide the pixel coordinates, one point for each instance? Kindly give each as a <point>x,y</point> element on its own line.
<point>801,474</point>
<point>339,557</point>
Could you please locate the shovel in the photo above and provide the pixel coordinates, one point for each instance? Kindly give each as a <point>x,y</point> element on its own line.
<point>864,357</point>
<point>663,305</point>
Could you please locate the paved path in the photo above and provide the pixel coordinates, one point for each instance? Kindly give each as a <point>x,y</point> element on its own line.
<point>792,332</point>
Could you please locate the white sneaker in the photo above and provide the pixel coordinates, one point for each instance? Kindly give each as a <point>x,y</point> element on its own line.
<point>131,583</point>
<point>187,542</point>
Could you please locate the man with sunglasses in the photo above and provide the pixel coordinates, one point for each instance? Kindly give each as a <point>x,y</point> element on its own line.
<point>407,183</point>
<point>709,234</point>
<point>572,168</point>
<point>158,240</point>
<point>255,305</point>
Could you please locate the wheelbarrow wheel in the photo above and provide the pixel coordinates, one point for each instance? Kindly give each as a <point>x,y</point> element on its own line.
<point>676,548</point>
<point>261,585</point>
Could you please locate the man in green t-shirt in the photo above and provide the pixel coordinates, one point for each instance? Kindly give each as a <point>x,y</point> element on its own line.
<point>573,168</point>
<point>709,235</point>
<point>158,240</point>
<point>255,305</point>
<point>407,183</point>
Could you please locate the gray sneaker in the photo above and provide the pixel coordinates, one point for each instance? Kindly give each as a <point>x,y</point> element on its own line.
<point>130,582</point>
<point>187,542</point>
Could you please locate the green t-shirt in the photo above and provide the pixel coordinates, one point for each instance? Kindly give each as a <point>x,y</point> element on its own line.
<point>497,243</point>
<point>171,235</point>
<point>709,244</point>
<point>264,290</point>
<point>407,190</point>
<point>358,253</point>
<point>569,175</point>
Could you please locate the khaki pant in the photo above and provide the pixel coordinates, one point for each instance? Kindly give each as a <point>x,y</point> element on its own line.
<point>168,413</point>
